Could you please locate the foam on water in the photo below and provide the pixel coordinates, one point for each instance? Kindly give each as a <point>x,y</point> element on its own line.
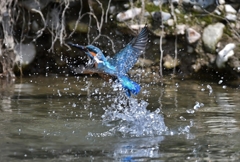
<point>129,116</point>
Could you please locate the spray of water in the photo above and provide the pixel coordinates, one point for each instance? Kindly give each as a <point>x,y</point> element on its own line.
<point>130,117</point>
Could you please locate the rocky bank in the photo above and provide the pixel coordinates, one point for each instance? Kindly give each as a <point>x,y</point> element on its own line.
<point>198,38</point>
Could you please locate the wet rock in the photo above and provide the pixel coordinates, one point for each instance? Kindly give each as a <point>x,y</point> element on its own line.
<point>144,62</point>
<point>224,55</point>
<point>169,62</point>
<point>211,35</point>
<point>129,14</point>
<point>25,53</point>
<point>192,35</point>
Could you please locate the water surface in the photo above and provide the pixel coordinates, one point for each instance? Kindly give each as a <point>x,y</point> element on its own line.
<point>85,119</point>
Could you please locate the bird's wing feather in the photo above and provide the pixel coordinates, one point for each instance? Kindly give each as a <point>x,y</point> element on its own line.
<point>127,57</point>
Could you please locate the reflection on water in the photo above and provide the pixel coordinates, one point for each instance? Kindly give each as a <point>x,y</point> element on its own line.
<point>83,119</point>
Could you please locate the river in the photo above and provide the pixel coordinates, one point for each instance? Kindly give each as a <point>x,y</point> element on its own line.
<point>83,118</point>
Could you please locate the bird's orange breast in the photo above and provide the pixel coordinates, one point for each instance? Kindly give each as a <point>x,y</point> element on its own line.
<point>93,54</point>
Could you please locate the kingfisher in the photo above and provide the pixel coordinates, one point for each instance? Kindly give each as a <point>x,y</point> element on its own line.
<point>119,65</point>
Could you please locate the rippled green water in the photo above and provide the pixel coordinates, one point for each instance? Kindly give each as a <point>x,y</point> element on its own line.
<point>60,119</point>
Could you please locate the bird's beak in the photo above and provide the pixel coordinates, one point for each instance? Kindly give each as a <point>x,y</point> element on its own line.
<point>83,48</point>
<point>78,46</point>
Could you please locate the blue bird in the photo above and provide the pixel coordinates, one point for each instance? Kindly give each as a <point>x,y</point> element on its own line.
<point>119,65</point>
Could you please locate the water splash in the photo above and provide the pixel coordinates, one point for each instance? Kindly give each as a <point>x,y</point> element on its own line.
<point>130,117</point>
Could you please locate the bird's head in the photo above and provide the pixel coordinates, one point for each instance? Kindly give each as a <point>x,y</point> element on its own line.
<point>93,52</point>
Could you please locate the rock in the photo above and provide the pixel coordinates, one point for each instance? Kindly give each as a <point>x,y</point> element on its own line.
<point>170,22</point>
<point>221,2</point>
<point>197,8</point>
<point>165,16</point>
<point>129,14</point>
<point>230,13</point>
<point>230,9</point>
<point>192,35</point>
<point>161,16</point>
<point>34,26</point>
<point>53,19</point>
<point>112,9</point>
<point>81,27</point>
<point>231,17</point>
<point>190,49</point>
<point>137,27</point>
<point>201,3</point>
<point>144,62</point>
<point>180,28</point>
<point>126,5</point>
<point>157,2</point>
<point>224,54</point>
<point>211,35</point>
<point>169,62</point>
<point>176,2</point>
<point>25,53</point>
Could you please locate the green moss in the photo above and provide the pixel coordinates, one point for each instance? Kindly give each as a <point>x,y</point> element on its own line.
<point>207,19</point>
<point>150,7</point>
<point>227,30</point>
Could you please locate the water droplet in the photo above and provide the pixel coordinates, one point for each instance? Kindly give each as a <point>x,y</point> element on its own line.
<point>220,81</point>
<point>190,111</point>
<point>210,89</point>
<point>198,105</point>
<point>182,118</point>
<point>74,105</point>
<point>133,118</point>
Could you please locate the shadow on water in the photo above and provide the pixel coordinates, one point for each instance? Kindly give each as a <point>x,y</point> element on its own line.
<point>85,119</point>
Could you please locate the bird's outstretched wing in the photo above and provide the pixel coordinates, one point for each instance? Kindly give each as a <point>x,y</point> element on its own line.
<point>127,57</point>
